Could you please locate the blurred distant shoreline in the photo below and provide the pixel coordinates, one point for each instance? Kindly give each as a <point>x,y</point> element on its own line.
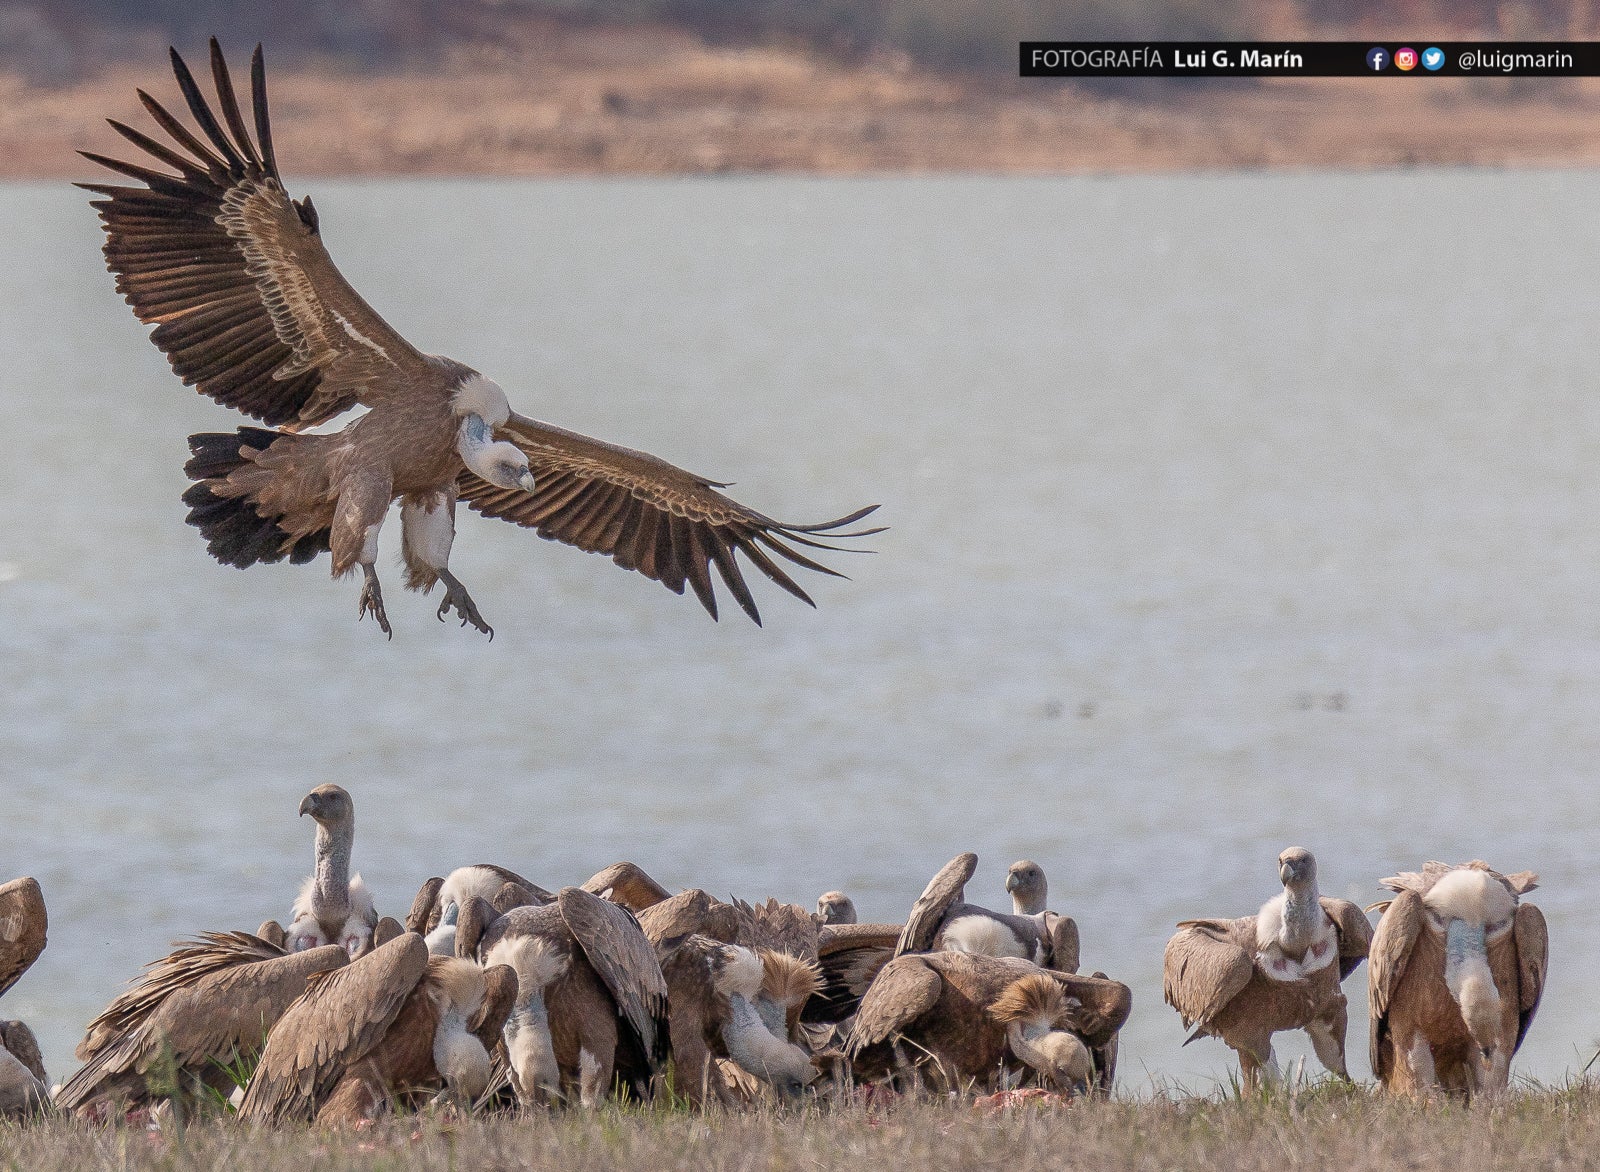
<point>651,100</point>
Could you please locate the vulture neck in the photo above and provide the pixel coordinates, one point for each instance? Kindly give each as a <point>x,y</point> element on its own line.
<point>330,896</point>
<point>1302,916</point>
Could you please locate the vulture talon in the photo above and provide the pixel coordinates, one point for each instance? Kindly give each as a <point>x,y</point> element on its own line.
<point>372,602</point>
<point>456,598</point>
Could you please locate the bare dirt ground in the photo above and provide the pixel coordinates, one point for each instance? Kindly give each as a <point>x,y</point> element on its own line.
<point>658,101</point>
<point>1350,1130</point>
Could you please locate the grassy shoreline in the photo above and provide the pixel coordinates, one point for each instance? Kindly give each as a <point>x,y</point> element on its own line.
<point>1327,1126</point>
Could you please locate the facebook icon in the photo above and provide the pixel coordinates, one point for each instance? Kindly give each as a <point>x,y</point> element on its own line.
<point>1377,59</point>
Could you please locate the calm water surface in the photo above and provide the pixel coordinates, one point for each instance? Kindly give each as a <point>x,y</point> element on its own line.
<point>1229,512</point>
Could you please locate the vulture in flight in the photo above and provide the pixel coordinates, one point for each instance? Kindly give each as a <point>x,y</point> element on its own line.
<point>964,1015</point>
<point>943,919</point>
<point>1456,973</point>
<point>24,1089</point>
<point>249,309</point>
<point>1244,980</point>
<point>382,1028</point>
<point>189,1021</point>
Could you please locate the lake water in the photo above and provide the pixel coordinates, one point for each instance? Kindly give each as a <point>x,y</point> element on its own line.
<point>1229,512</point>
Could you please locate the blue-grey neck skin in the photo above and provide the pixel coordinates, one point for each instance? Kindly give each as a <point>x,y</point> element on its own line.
<point>330,897</point>
<point>743,1017</point>
<point>772,1016</point>
<point>475,432</point>
<point>1462,942</point>
<point>1302,911</point>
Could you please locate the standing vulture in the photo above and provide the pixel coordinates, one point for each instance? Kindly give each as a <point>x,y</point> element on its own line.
<point>1244,980</point>
<point>190,1020</point>
<point>964,1015</point>
<point>249,308</point>
<point>24,1088</point>
<point>943,919</point>
<point>1457,969</point>
<point>591,1002</point>
<point>391,1024</point>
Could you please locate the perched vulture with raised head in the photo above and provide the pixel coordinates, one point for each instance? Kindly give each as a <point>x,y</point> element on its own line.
<point>591,1002</point>
<point>943,919</point>
<point>391,1025</point>
<point>249,308</point>
<point>968,1017</point>
<point>189,1020</point>
<point>1030,890</point>
<point>333,907</point>
<point>1456,973</point>
<point>24,924</point>
<point>835,907</point>
<point>721,999</point>
<point>1244,980</point>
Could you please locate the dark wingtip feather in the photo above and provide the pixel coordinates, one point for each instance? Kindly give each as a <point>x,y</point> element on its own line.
<point>258,103</point>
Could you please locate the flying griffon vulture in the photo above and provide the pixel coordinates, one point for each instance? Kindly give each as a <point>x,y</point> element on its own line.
<point>249,308</point>
<point>1456,973</point>
<point>24,1089</point>
<point>1246,979</point>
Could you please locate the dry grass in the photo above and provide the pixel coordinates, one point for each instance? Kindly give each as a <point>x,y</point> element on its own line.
<point>654,101</point>
<point>1328,1127</point>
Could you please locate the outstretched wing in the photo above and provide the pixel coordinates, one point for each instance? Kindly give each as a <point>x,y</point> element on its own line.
<point>22,928</point>
<point>648,515</point>
<point>248,306</point>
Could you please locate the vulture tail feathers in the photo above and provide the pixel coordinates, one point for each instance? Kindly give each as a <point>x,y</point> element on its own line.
<point>236,534</point>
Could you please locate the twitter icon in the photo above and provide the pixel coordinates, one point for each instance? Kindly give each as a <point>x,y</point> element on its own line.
<point>1432,58</point>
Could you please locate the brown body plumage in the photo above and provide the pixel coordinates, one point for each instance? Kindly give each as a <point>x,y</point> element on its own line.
<point>24,925</point>
<point>250,309</point>
<point>591,999</point>
<point>1449,1014</point>
<point>943,919</point>
<point>190,1019</point>
<point>1232,980</point>
<point>960,1018</point>
<point>394,1025</point>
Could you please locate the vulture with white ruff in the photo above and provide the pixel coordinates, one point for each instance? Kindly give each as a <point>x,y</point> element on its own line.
<point>971,1018</point>
<point>943,919</point>
<point>249,309</point>
<point>24,1089</point>
<point>1246,979</point>
<point>591,1002</point>
<point>334,907</point>
<point>1456,973</point>
<point>393,1025</point>
<point>188,1022</point>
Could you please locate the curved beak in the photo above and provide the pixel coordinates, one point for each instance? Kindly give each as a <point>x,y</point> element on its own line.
<point>308,804</point>
<point>1013,881</point>
<point>525,482</point>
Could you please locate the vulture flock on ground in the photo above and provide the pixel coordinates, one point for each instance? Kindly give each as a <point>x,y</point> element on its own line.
<point>497,994</point>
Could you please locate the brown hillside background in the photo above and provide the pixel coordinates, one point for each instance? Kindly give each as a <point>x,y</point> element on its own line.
<point>886,86</point>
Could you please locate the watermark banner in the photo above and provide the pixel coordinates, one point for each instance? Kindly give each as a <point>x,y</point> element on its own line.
<point>1310,58</point>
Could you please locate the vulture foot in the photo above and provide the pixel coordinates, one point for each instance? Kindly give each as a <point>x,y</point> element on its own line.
<point>372,602</point>
<point>456,598</point>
